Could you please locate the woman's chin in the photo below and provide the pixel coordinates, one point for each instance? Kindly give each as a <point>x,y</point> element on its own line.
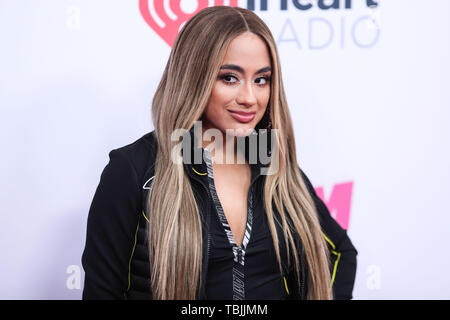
<point>241,131</point>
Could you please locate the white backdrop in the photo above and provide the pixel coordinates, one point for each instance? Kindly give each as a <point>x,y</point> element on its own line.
<point>368,89</point>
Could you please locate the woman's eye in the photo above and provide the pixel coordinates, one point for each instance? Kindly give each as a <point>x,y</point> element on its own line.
<point>264,80</point>
<point>227,78</point>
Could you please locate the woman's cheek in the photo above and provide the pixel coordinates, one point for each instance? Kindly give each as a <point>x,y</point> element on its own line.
<point>217,96</point>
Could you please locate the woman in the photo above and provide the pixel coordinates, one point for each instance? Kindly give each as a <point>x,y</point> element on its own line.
<point>165,229</point>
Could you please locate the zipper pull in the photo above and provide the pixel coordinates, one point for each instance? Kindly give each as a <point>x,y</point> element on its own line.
<point>239,254</point>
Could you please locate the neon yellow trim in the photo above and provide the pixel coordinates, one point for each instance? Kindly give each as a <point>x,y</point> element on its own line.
<point>199,173</point>
<point>143,213</point>
<point>335,266</point>
<point>329,241</point>
<point>286,286</point>
<point>338,254</point>
<point>131,257</point>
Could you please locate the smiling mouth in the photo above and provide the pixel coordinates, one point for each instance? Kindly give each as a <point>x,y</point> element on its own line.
<point>242,116</point>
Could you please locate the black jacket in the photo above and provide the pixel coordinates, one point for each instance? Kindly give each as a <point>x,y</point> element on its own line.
<point>115,258</point>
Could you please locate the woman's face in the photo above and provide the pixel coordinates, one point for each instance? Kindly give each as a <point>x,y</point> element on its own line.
<point>241,90</point>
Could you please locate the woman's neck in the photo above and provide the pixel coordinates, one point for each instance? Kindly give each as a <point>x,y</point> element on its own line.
<point>224,149</point>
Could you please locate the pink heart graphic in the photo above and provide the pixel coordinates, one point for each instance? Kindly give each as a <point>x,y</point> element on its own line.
<point>169,31</point>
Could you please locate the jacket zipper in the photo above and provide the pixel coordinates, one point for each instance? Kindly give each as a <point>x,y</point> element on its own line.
<point>239,248</point>
<point>239,254</point>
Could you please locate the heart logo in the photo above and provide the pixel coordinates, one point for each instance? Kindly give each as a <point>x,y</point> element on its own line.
<point>166,16</point>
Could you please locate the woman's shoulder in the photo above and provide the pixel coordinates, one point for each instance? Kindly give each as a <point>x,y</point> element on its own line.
<point>140,154</point>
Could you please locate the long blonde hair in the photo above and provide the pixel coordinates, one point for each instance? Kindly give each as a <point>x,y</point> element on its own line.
<point>175,229</point>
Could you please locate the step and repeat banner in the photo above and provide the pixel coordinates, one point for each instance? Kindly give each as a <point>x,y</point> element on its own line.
<point>367,84</point>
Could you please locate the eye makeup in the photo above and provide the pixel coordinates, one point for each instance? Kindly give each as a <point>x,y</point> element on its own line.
<point>222,77</point>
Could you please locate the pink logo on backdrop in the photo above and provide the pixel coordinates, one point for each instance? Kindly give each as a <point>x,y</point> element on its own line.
<point>338,202</point>
<point>166,17</point>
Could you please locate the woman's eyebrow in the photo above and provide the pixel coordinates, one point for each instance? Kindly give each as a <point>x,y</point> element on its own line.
<point>239,69</point>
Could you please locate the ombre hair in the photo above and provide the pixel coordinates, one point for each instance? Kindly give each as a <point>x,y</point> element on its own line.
<point>175,229</point>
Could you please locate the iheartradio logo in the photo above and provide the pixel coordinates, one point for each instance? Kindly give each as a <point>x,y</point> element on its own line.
<point>166,17</point>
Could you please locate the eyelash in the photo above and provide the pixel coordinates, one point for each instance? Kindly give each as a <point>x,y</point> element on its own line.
<point>222,77</point>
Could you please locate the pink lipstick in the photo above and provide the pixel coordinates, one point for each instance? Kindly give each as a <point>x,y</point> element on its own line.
<point>241,116</point>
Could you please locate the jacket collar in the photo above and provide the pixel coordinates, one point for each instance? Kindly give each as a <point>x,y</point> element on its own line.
<point>198,167</point>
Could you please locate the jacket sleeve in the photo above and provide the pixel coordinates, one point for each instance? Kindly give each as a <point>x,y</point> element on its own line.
<point>342,252</point>
<point>111,225</point>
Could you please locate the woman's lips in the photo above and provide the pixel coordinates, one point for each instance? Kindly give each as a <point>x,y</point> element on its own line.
<point>243,117</point>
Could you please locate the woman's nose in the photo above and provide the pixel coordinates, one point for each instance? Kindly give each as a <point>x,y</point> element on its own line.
<point>246,94</point>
